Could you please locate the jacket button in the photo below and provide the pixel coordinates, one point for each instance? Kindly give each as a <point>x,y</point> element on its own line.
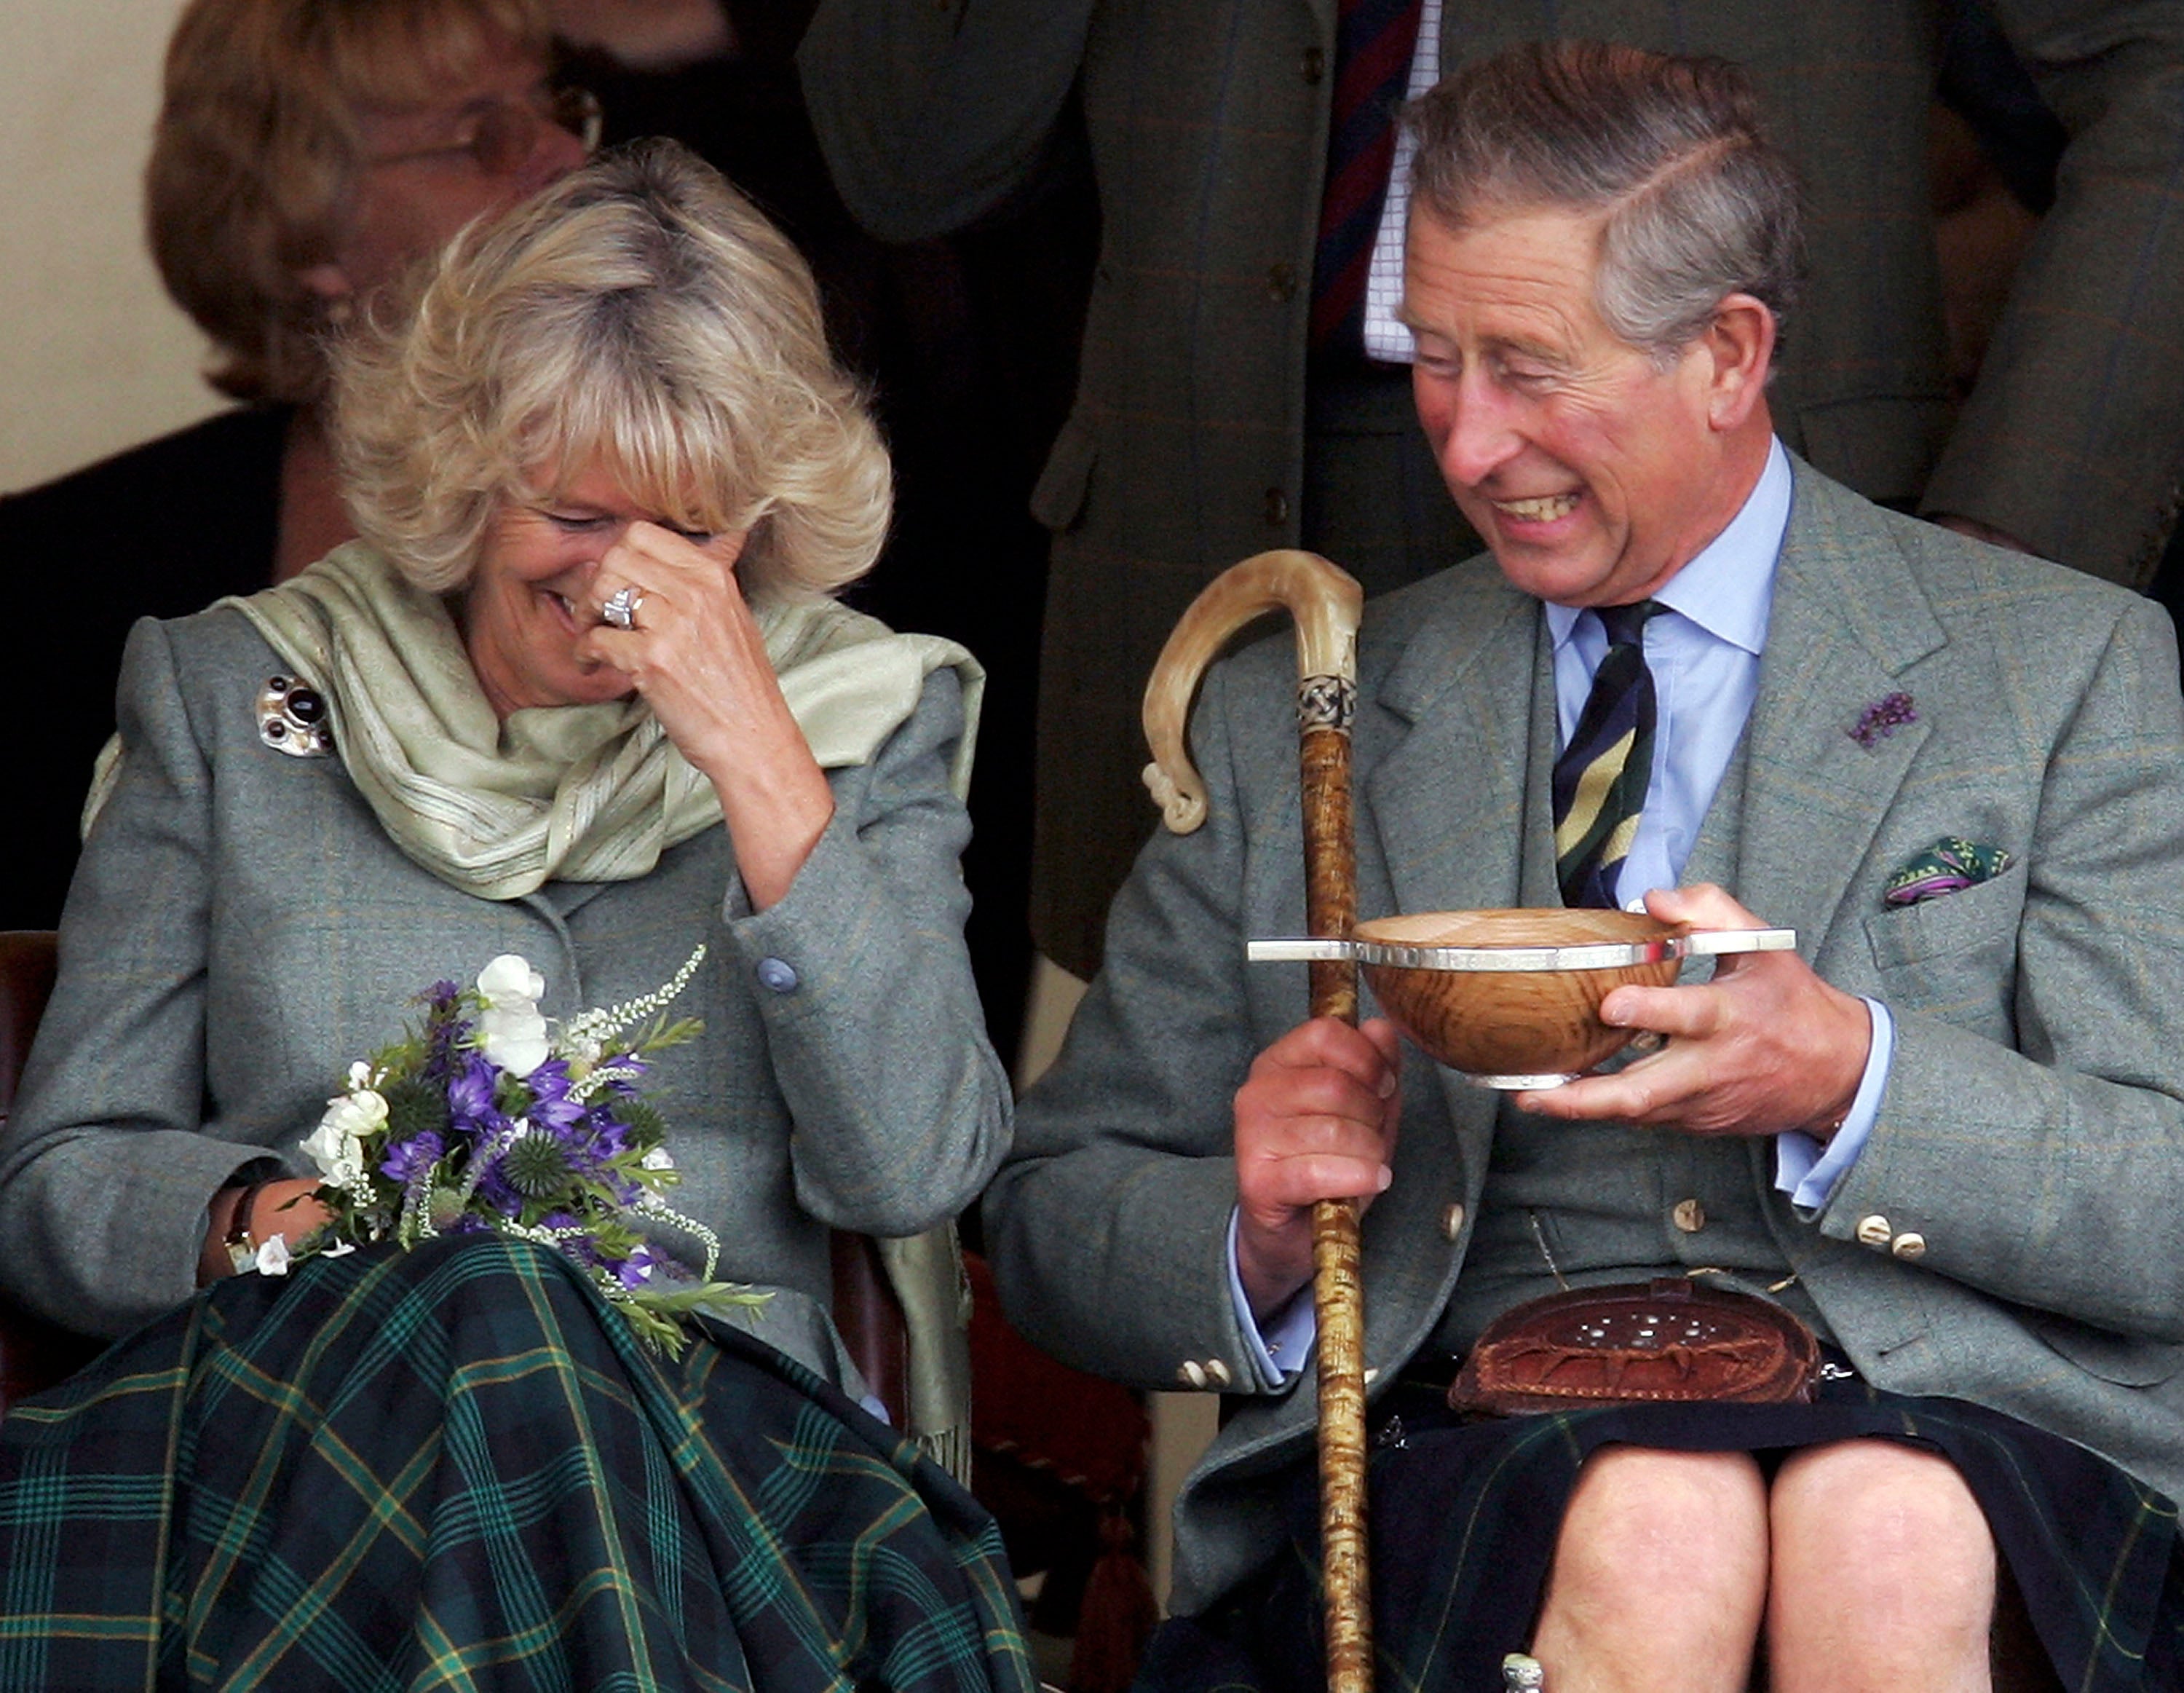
<point>1217,1372</point>
<point>1312,66</point>
<point>1688,1215</point>
<point>777,974</point>
<point>1908,1246</point>
<point>1191,1373</point>
<point>1874,1231</point>
<point>1277,506</point>
<point>1451,1221</point>
<point>1281,281</point>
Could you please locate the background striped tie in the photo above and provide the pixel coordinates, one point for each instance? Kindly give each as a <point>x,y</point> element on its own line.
<point>1373,42</point>
<point>1602,776</point>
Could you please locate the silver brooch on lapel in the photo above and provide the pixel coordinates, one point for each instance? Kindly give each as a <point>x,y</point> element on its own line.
<point>291,718</point>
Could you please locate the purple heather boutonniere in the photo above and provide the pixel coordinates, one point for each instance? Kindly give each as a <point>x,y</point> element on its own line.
<point>1881,719</point>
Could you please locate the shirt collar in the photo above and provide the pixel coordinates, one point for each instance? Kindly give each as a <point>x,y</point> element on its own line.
<point>1727,589</point>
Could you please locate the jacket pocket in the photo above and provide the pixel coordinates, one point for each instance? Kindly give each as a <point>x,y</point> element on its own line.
<point>1058,499</point>
<point>1975,921</point>
<point>2123,1359</point>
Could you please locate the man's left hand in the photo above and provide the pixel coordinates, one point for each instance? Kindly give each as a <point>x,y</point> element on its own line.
<point>1765,1046</point>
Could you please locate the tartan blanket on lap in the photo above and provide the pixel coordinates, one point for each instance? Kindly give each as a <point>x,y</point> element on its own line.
<point>454,1467</point>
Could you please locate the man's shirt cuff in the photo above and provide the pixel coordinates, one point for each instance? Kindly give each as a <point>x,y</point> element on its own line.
<point>1807,1170</point>
<point>1276,1352</point>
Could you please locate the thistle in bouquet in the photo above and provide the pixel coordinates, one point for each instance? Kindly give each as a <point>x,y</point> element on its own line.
<point>486,1118</point>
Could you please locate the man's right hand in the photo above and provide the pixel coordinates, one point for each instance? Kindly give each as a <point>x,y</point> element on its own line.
<point>1316,1119</point>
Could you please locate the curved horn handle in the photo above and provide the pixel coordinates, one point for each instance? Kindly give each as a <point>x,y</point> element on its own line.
<point>1324,600</point>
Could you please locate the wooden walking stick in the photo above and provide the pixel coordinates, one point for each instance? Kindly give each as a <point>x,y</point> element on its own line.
<point>1325,603</point>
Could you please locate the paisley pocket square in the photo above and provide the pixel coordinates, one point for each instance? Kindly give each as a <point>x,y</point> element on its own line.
<point>1950,865</point>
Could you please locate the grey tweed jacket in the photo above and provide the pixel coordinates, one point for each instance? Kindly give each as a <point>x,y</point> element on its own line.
<point>241,930</point>
<point>2032,1131</point>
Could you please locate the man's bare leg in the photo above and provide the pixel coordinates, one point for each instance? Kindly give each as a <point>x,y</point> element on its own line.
<point>1884,1573</point>
<point>1660,1575</point>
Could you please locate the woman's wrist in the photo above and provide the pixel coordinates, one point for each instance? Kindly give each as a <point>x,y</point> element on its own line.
<point>243,1217</point>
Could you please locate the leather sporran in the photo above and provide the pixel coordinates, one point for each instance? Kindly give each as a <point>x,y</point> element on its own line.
<point>1661,1342</point>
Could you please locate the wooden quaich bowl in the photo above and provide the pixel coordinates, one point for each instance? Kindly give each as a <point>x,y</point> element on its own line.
<point>1511,998</point>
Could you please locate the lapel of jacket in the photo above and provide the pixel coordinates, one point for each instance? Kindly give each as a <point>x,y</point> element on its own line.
<point>1445,802</point>
<point>1848,619</point>
<point>1445,808</point>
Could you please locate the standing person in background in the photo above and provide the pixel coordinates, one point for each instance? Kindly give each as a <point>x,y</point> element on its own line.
<point>1243,386</point>
<point>307,152</point>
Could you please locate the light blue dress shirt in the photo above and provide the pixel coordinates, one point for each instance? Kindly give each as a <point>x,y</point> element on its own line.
<point>1704,656</point>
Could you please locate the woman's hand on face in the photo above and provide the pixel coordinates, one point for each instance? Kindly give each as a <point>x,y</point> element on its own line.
<point>694,649</point>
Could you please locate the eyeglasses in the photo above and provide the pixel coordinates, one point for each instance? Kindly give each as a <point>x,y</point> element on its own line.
<point>504,134</point>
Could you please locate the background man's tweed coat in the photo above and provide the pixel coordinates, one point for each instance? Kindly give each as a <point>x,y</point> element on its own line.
<point>1208,123</point>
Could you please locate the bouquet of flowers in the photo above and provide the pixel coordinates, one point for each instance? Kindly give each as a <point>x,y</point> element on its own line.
<point>486,1118</point>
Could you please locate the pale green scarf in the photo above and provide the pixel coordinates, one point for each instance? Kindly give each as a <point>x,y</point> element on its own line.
<point>560,793</point>
<point>596,793</point>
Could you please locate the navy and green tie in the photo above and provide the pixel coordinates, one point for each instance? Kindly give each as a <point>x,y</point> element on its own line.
<point>1601,778</point>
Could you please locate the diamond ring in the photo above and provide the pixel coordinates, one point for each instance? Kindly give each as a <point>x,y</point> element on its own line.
<point>620,607</point>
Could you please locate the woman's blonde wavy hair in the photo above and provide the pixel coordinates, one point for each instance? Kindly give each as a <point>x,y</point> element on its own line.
<point>257,147</point>
<point>639,316</point>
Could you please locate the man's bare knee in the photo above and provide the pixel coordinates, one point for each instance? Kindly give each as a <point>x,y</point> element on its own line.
<point>1882,1559</point>
<point>1660,1570</point>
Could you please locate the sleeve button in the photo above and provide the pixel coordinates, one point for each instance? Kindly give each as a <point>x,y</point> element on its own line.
<point>1908,1245</point>
<point>1191,1373</point>
<point>1874,1231</point>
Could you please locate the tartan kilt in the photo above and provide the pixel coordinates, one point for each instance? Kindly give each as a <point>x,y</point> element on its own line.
<point>1464,1516</point>
<point>456,1466</point>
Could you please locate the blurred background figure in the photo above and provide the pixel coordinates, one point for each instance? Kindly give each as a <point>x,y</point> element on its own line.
<point>306,152</point>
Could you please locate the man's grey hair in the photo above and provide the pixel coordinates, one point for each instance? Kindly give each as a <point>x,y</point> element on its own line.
<point>1697,203</point>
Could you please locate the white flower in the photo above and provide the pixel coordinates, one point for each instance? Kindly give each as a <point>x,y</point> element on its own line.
<point>510,1031</point>
<point>514,1038</point>
<point>336,1145</point>
<point>360,1076</point>
<point>273,1257</point>
<point>340,1249</point>
<point>508,978</point>
<point>658,1158</point>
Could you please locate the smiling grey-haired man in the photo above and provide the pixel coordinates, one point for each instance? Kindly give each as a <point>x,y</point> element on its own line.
<point>1692,672</point>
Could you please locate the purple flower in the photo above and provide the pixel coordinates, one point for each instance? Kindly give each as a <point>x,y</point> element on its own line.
<point>552,1108</point>
<point>635,1270</point>
<point>469,1092</point>
<point>409,1161</point>
<point>1881,719</point>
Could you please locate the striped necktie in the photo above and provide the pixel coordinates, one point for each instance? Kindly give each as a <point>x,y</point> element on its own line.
<point>1601,778</point>
<point>1374,42</point>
